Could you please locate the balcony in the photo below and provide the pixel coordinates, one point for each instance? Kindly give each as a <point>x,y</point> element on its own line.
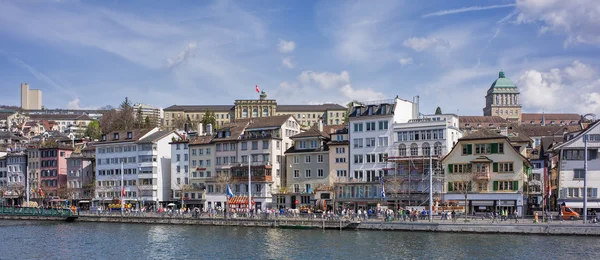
<point>259,173</point>
<point>484,176</point>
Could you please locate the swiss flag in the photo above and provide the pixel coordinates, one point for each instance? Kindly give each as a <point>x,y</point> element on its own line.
<point>257,90</point>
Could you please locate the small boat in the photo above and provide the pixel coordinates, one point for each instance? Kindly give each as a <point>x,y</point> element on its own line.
<point>298,226</point>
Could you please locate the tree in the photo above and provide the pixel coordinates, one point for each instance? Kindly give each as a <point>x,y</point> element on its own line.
<point>463,182</point>
<point>121,119</point>
<point>147,122</point>
<point>93,130</point>
<point>139,118</point>
<point>438,111</point>
<point>65,192</point>
<point>223,179</point>
<point>394,186</point>
<point>209,118</point>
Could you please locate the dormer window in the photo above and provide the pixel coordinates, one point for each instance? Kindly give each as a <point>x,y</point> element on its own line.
<point>103,137</point>
<point>532,122</point>
<point>129,135</point>
<point>358,112</point>
<point>492,124</point>
<point>116,136</point>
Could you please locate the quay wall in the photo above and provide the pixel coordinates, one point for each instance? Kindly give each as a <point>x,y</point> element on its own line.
<point>566,228</point>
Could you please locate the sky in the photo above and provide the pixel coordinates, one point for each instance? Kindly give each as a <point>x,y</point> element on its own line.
<point>88,54</point>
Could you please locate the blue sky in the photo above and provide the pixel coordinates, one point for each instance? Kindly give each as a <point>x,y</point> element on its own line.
<point>87,54</point>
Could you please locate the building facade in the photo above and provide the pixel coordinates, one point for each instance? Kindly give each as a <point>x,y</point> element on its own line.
<point>53,169</point>
<point>417,143</point>
<point>180,170</point>
<point>30,98</point>
<point>202,154</point>
<point>147,111</point>
<point>80,175</point>
<point>571,169</point>
<point>176,116</point>
<point>489,171</point>
<point>145,157</point>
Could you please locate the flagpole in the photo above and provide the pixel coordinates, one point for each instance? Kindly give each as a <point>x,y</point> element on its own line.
<point>122,190</point>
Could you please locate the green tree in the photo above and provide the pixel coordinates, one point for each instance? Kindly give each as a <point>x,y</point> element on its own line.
<point>438,111</point>
<point>139,118</point>
<point>147,122</point>
<point>209,118</point>
<point>93,130</point>
<point>349,110</point>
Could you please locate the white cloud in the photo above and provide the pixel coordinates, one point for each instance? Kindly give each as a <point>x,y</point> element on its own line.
<point>574,87</point>
<point>74,104</point>
<point>406,61</point>
<point>287,62</point>
<point>361,94</point>
<point>578,19</point>
<point>325,80</point>
<point>466,9</point>
<point>286,46</point>
<point>183,55</point>
<point>424,43</point>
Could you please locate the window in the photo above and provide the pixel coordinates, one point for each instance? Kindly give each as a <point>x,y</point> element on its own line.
<point>578,174</point>
<point>178,157</point>
<point>383,125</point>
<point>320,173</point>
<point>340,150</point>
<point>255,112</point>
<point>307,159</point>
<point>320,158</point>
<point>296,173</point>
<point>358,143</point>
<point>313,143</point>
<point>460,186</point>
<point>383,141</point>
<point>265,144</point>
<point>307,173</point>
<point>306,199</point>
<point>402,150</point>
<point>340,160</point>
<point>483,149</point>
<point>358,127</point>
<point>382,157</point>
<point>185,157</point>
<point>503,167</point>
<point>254,145</point>
<point>370,142</point>
<point>414,150</point>
<point>358,158</point>
<point>296,159</point>
<point>467,149</point>
<point>507,185</point>
<point>370,158</point>
<point>296,188</point>
<point>437,148</point>
<point>342,173</point>
<point>244,145</point>
<point>370,126</point>
<point>426,149</point>
<point>218,147</point>
<point>265,112</point>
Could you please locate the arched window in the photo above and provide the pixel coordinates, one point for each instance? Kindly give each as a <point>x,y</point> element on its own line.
<point>437,148</point>
<point>245,113</point>
<point>402,150</point>
<point>265,112</point>
<point>255,112</point>
<point>501,112</point>
<point>414,150</point>
<point>426,149</point>
<point>497,100</point>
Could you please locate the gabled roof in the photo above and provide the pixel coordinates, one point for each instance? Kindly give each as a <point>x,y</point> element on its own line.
<point>481,120</point>
<point>536,130</point>
<point>263,122</point>
<point>309,108</point>
<point>482,134</point>
<point>135,133</point>
<point>198,108</point>
<point>235,130</point>
<point>527,117</point>
<point>59,117</point>
<point>154,137</point>
<point>588,129</point>
<point>206,139</point>
<point>312,132</point>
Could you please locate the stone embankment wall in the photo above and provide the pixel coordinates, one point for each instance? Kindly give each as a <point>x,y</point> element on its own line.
<point>566,228</point>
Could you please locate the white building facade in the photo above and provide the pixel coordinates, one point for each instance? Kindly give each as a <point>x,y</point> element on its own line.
<point>180,169</point>
<point>571,170</point>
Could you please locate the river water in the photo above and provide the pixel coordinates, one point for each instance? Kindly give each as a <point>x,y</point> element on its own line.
<point>58,240</point>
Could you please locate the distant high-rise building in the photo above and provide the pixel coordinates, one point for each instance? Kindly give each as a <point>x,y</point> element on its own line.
<point>31,99</point>
<point>154,114</point>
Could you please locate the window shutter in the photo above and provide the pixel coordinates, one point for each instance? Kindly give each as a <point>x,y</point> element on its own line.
<point>494,147</point>
<point>595,192</point>
<point>515,185</point>
<point>495,185</point>
<point>495,166</point>
<point>449,186</point>
<point>449,168</point>
<point>470,149</point>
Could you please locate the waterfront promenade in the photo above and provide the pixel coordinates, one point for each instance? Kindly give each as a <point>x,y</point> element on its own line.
<point>473,225</point>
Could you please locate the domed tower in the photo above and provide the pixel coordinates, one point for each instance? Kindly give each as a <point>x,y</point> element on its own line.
<point>502,99</point>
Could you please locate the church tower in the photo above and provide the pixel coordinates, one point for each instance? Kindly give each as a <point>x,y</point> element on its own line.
<point>502,100</point>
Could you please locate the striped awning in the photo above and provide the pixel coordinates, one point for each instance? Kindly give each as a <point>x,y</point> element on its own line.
<point>239,200</point>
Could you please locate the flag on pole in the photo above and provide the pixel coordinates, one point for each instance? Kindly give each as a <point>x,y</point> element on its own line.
<point>41,192</point>
<point>229,193</point>
<point>382,188</point>
<point>123,191</point>
<point>257,89</point>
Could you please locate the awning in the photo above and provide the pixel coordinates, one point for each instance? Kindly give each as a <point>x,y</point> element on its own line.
<point>579,205</point>
<point>84,201</point>
<point>239,200</point>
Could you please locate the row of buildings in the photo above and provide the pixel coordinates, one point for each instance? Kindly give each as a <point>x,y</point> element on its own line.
<point>327,156</point>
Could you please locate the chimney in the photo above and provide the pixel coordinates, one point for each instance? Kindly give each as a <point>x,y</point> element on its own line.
<point>209,129</point>
<point>200,130</point>
<point>321,125</point>
<point>415,107</point>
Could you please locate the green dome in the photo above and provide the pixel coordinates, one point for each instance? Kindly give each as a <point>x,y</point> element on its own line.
<point>503,82</point>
